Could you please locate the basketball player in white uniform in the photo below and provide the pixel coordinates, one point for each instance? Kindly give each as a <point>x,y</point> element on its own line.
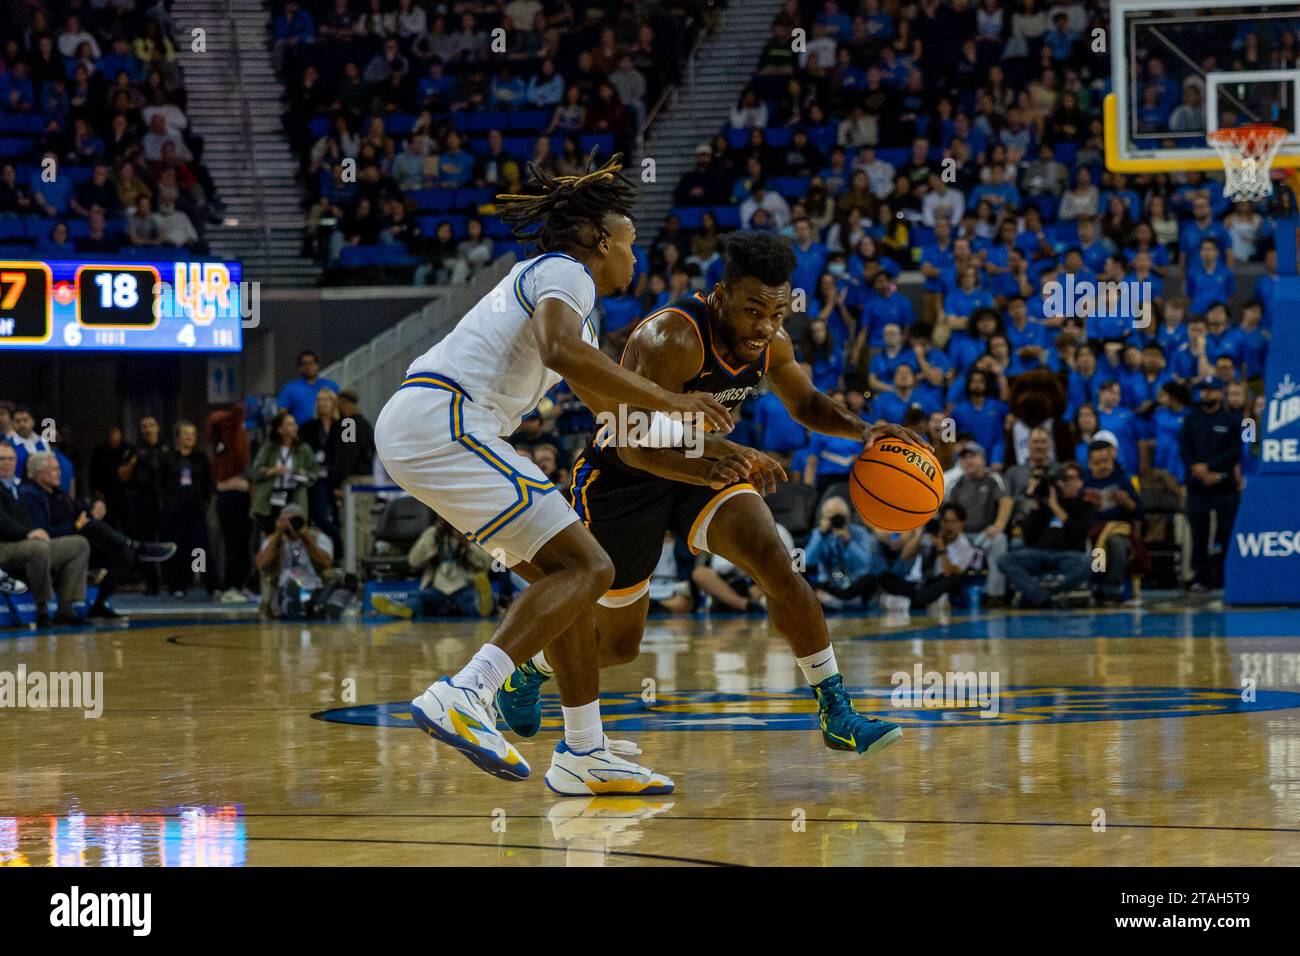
<point>441,437</point>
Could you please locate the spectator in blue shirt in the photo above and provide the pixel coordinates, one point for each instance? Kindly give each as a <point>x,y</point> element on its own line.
<point>455,166</point>
<point>983,415</point>
<point>1209,280</point>
<point>1030,341</point>
<point>892,406</point>
<point>546,89</point>
<point>880,373</point>
<point>50,197</point>
<point>299,396</point>
<point>1091,248</point>
<point>1191,360</point>
<point>1221,338</point>
<point>1200,228</point>
<point>1119,421</point>
<point>809,256</point>
<point>827,360</point>
<point>1141,388</point>
<point>838,25</point>
<point>885,305</point>
<point>293,27</point>
<point>1083,379</point>
<point>963,301</point>
<point>829,460</point>
<point>507,91</point>
<point>841,555</point>
<point>1254,342</point>
<point>55,244</point>
<point>1171,333</point>
<point>1060,39</point>
<point>16,92</point>
<point>1265,289</point>
<point>777,431</point>
<point>435,86</point>
<point>1174,397</point>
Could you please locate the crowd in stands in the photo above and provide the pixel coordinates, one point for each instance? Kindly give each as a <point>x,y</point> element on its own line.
<point>96,150</point>
<point>964,142</point>
<point>408,120</point>
<point>139,513</point>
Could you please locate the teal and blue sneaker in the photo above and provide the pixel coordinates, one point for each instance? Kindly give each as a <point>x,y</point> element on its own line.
<point>843,728</point>
<point>519,700</point>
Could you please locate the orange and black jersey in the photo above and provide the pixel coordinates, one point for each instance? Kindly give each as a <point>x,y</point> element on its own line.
<point>729,386</point>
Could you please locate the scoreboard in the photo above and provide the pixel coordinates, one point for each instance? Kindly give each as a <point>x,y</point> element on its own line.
<point>101,305</point>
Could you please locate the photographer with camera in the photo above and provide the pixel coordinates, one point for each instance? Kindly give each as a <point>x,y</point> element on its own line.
<point>284,468</point>
<point>982,493</point>
<point>938,557</point>
<point>291,563</point>
<point>1055,533</point>
<point>841,556</point>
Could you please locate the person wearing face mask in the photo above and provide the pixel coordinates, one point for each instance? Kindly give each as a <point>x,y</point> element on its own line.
<point>1211,451</point>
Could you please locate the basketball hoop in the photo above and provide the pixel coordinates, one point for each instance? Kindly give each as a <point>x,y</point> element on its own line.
<point>1247,153</point>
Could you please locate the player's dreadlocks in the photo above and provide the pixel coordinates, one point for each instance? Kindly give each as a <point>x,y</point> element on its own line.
<point>569,212</point>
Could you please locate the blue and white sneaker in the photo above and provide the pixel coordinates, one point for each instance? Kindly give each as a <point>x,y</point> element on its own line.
<point>843,728</point>
<point>465,719</point>
<point>601,772</point>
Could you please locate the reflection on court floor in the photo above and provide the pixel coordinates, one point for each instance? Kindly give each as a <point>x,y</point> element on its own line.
<point>1164,736</point>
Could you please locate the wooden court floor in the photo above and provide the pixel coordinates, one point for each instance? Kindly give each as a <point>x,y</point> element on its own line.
<point>1121,738</point>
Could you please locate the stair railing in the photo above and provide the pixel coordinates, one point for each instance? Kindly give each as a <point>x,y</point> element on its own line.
<point>246,130</point>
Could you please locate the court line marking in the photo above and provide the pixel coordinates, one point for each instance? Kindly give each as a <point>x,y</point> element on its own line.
<point>272,814</point>
<point>499,846</point>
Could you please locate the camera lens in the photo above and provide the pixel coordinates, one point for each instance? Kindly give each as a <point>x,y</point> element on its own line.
<point>839,521</point>
<point>297,521</point>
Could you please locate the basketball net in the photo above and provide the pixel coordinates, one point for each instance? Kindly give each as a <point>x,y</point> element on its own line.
<point>1247,153</point>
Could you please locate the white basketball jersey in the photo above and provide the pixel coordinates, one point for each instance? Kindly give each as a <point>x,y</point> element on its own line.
<point>492,352</point>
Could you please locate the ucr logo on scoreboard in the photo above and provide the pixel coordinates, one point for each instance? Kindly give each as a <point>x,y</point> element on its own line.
<point>203,292</point>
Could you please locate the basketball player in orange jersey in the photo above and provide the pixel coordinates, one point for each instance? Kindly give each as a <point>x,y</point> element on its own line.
<point>723,343</point>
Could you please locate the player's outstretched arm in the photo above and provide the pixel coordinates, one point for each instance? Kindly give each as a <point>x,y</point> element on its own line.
<point>589,371</point>
<point>817,411</point>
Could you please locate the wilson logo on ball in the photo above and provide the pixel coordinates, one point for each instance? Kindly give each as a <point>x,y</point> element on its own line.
<point>913,456</point>
<point>895,486</point>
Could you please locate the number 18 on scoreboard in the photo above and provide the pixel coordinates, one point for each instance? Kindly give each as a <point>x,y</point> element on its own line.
<point>149,306</point>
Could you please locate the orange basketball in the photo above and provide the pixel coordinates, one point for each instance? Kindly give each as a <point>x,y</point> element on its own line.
<point>896,486</point>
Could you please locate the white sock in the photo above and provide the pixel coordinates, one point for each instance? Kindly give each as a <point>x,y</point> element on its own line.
<point>819,666</point>
<point>539,661</point>
<point>490,666</point>
<point>582,730</point>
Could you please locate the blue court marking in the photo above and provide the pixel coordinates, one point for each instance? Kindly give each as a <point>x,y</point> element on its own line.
<point>796,710</point>
<point>1065,625</point>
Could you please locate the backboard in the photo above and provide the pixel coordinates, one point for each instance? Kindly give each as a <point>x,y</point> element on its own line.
<point>1180,69</point>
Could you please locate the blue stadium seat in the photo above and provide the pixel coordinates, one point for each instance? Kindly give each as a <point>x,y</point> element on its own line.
<point>823,137</point>
<point>737,138</point>
<point>494,228</point>
<point>896,156</point>
<point>779,135</point>
<point>400,124</point>
<point>533,121</point>
<point>474,197</point>
<point>728,217</point>
<point>433,200</point>
<point>1047,207</point>
<point>1065,232</point>
<point>1065,153</point>
<point>689,217</point>
<point>603,143</point>
<point>319,126</point>
<point>791,186</point>
<point>77,229</point>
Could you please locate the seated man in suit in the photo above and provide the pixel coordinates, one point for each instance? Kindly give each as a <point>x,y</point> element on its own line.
<point>60,515</point>
<point>29,551</point>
